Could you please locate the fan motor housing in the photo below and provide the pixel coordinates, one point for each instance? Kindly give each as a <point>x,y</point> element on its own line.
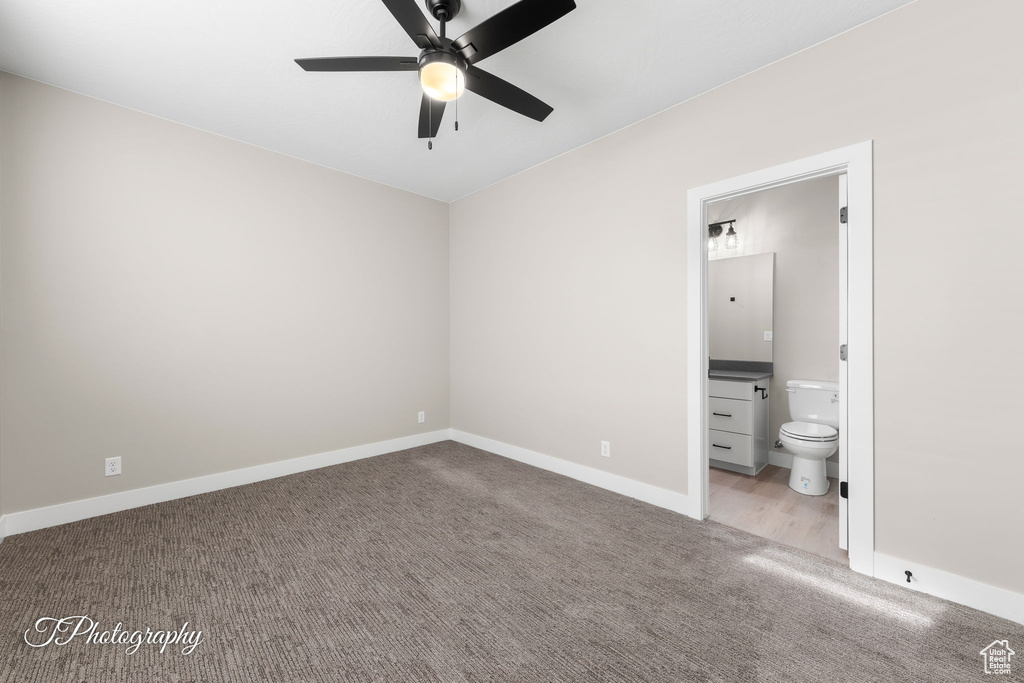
<point>447,56</point>
<point>444,10</point>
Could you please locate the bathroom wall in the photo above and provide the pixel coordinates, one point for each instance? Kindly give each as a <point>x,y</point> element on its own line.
<point>740,305</point>
<point>197,305</point>
<point>2,522</point>
<point>800,224</point>
<point>569,279</point>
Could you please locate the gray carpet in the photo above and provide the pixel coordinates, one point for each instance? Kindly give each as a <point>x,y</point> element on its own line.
<point>445,563</point>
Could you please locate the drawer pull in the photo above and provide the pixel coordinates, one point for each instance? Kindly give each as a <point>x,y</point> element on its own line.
<point>728,448</point>
<point>722,414</point>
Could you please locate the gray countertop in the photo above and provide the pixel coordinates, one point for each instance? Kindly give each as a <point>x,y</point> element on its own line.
<point>738,375</point>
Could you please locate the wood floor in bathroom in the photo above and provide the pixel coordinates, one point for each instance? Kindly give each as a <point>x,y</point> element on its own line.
<point>766,506</point>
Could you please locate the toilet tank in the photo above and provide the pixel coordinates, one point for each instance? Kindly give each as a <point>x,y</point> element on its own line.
<point>814,401</point>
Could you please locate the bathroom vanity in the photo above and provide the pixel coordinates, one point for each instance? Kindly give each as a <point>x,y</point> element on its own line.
<point>738,437</point>
<point>741,314</point>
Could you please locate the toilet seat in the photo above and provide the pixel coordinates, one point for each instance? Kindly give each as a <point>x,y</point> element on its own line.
<point>809,432</point>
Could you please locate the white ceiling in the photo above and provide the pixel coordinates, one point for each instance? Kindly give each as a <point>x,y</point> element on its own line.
<point>226,66</point>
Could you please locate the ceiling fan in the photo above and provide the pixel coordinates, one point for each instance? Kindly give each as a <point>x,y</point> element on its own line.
<point>448,67</point>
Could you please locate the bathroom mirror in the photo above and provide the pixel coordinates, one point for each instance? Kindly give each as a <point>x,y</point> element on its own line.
<point>741,295</point>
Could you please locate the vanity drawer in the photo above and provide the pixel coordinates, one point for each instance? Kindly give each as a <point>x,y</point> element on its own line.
<point>721,388</point>
<point>728,447</point>
<point>730,415</point>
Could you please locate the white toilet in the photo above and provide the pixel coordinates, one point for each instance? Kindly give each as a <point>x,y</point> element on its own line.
<point>813,436</point>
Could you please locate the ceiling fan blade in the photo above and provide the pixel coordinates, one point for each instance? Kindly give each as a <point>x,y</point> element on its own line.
<point>431,112</point>
<point>507,95</point>
<point>359,64</point>
<point>408,14</point>
<point>509,27</point>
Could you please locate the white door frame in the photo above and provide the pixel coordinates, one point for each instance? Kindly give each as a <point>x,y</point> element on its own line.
<point>844,375</point>
<point>856,162</point>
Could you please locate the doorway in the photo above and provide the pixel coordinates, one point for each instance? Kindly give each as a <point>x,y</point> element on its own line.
<point>851,169</point>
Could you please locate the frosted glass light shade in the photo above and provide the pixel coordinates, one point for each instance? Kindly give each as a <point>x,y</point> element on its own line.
<point>442,81</point>
<point>732,240</point>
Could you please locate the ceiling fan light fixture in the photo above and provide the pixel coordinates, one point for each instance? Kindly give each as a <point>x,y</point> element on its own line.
<point>440,76</point>
<point>443,64</point>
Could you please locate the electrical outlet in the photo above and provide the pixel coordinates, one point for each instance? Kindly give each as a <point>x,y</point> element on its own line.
<point>768,335</point>
<point>422,417</point>
<point>112,467</point>
<point>606,449</point>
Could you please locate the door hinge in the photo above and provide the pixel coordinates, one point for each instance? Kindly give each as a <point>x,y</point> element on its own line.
<point>844,489</point>
<point>842,352</point>
<point>842,215</point>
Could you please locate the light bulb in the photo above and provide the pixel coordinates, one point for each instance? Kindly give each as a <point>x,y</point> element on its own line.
<point>440,78</point>
<point>712,244</point>
<point>732,240</point>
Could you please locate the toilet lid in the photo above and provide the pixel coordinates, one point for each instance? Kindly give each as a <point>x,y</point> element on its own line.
<point>809,431</point>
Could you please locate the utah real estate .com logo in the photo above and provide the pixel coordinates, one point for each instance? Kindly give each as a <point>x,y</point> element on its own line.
<point>997,657</point>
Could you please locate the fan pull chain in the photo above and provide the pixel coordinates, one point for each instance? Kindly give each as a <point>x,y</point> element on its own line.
<point>457,99</point>
<point>430,124</point>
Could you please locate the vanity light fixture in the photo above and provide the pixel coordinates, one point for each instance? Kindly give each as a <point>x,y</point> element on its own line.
<point>715,231</point>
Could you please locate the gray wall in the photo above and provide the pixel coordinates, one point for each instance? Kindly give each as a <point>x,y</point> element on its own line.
<point>569,280</point>
<point>800,224</point>
<point>197,305</point>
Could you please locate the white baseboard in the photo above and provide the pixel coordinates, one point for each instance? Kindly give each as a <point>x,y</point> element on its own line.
<point>41,518</point>
<point>648,493</point>
<point>783,459</point>
<point>3,528</point>
<point>998,601</point>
